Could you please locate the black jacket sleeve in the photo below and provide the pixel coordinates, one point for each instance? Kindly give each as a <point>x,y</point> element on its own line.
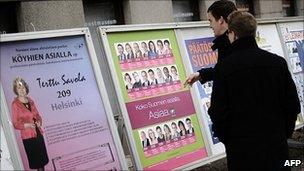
<point>222,45</point>
<point>206,74</point>
<point>291,104</point>
<point>218,110</point>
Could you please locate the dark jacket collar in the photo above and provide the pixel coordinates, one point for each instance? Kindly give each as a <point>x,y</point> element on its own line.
<point>221,41</point>
<point>243,43</point>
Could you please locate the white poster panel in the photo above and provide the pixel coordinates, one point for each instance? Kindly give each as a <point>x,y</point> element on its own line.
<point>268,39</point>
<point>57,102</point>
<point>292,35</point>
<point>195,46</point>
<point>163,126</point>
<point>5,156</point>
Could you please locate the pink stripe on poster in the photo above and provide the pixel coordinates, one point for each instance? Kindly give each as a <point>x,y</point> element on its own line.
<point>154,90</point>
<point>132,64</point>
<point>170,145</point>
<point>179,160</point>
<point>160,109</point>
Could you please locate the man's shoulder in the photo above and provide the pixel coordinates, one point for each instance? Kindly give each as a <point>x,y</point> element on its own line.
<point>272,57</point>
<point>257,54</point>
<point>252,58</point>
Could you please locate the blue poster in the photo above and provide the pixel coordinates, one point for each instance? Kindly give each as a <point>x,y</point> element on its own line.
<point>300,48</point>
<point>202,56</point>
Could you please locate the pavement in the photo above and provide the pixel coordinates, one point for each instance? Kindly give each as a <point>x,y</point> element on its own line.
<point>296,152</point>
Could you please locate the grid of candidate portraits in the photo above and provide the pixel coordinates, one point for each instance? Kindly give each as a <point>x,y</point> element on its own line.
<point>147,49</point>
<point>150,77</point>
<point>167,136</point>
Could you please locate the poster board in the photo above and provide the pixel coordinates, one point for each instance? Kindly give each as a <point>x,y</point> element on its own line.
<point>5,159</point>
<point>64,84</point>
<point>148,107</point>
<point>195,45</point>
<point>292,38</point>
<point>267,38</point>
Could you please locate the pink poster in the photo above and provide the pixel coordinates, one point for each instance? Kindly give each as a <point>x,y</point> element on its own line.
<point>55,105</point>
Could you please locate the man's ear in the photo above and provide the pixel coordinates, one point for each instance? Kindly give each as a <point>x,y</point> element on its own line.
<point>222,20</point>
<point>235,37</point>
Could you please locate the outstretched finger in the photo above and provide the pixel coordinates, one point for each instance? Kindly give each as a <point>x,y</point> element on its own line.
<point>187,82</point>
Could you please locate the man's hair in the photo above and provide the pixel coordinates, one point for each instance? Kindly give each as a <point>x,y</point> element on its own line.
<point>166,41</point>
<point>158,127</point>
<point>222,8</point>
<point>143,71</point>
<point>242,23</point>
<point>150,70</point>
<point>134,73</point>
<point>159,41</point>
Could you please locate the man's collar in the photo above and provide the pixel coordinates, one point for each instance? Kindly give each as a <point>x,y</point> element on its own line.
<point>244,43</point>
<point>220,41</point>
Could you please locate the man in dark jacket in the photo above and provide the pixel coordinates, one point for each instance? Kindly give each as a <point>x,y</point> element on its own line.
<point>217,16</point>
<point>254,103</point>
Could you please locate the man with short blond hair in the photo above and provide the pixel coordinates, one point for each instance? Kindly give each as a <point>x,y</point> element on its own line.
<point>254,103</point>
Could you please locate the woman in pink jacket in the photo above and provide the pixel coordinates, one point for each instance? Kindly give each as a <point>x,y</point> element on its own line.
<point>27,119</point>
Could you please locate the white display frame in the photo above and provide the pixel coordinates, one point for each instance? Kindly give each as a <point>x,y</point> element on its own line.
<point>6,122</point>
<point>146,27</point>
<point>301,125</point>
<point>104,30</point>
<point>218,149</point>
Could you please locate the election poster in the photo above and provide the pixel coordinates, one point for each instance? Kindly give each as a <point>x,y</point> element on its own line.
<point>196,45</point>
<point>55,105</point>
<point>292,34</point>
<point>202,56</point>
<point>165,131</point>
<point>268,39</point>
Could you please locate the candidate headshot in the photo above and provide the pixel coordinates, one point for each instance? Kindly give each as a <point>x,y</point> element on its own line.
<point>167,47</point>
<point>128,81</point>
<point>137,81</point>
<point>121,55</point>
<point>27,119</point>
<point>152,50</point>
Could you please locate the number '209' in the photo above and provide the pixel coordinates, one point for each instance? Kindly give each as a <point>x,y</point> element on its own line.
<point>64,93</point>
